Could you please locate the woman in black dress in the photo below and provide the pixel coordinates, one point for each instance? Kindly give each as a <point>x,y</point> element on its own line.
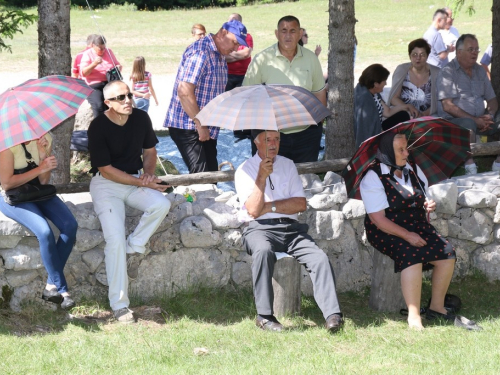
<point>396,225</point>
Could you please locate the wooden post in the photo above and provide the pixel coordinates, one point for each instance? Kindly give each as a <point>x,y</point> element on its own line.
<point>385,293</point>
<point>286,285</point>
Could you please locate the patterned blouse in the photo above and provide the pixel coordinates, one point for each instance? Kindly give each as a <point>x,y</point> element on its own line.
<point>378,102</point>
<point>419,97</point>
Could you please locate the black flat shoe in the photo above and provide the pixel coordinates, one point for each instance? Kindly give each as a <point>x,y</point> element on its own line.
<point>431,315</point>
<point>67,303</point>
<point>52,295</point>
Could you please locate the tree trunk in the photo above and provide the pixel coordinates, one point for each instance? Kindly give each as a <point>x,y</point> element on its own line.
<point>495,58</point>
<point>54,57</point>
<point>339,129</point>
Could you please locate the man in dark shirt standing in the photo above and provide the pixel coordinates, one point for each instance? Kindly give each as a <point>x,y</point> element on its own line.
<point>121,144</point>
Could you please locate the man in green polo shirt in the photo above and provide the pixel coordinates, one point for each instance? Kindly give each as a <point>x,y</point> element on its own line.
<point>288,63</point>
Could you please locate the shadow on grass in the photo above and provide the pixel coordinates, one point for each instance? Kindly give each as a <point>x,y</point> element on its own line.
<point>227,307</point>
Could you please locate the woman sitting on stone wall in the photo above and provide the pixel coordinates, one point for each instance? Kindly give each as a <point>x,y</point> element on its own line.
<point>19,165</point>
<point>396,225</point>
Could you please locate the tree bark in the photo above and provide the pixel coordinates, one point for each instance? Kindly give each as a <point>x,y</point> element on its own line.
<point>54,57</point>
<point>495,58</point>
<point>339,130</point>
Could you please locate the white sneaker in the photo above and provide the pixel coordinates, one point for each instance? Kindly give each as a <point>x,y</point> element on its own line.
<point>124,315</point>
<point>470,168</point>
<point>495,167</point>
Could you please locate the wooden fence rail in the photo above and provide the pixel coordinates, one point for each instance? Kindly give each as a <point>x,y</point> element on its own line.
<point>336,165</point>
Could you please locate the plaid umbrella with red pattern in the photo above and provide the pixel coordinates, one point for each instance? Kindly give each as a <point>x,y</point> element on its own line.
<point>30,110</point>
<point>437,146</point>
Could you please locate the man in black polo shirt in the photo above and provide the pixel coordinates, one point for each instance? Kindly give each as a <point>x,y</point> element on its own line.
<point>121,144</point>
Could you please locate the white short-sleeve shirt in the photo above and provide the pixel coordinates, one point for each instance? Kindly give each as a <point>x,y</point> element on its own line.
<point>285,179</point>
<point>373,191</point>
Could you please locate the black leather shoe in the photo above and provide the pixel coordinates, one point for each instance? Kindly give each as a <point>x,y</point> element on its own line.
<point>52,295</point>
<point>68,303</point>
<point>334,322</point>
<point>268,325</point>
<point>431,315</point>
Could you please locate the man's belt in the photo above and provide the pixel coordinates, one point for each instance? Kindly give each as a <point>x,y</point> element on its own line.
<point>279,220</point>
<point>127,172</point>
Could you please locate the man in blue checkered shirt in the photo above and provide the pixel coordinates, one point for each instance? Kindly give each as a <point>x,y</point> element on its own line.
<point>202,75</point>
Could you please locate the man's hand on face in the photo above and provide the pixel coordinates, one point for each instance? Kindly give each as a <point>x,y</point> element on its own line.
<point>266,167</point>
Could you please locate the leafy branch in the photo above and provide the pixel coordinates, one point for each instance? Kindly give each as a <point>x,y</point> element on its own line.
<point>11,23</point>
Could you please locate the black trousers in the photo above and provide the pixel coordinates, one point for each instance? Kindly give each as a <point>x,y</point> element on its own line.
<point>96,99</point>
<point>198,156</point>
<point>395,119</point>
<point>302,147</point>
<point>262,241</point>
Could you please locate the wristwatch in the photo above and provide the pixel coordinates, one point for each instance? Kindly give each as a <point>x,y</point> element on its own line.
<point>273,208</point>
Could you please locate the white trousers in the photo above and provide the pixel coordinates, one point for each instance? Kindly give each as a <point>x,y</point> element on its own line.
<point>109,200</point>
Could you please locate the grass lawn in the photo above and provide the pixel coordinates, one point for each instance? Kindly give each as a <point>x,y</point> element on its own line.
<point>213,332</point>
<point>383,30</point>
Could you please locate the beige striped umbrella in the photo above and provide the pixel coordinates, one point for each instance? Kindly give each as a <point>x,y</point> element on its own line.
<point>264,107</point>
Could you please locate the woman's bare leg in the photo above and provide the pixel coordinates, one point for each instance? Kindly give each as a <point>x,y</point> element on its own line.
<point>411,285</point>
<point>441,278</point>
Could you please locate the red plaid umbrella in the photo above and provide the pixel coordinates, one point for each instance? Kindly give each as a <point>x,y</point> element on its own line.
<point>437,146</point>
<point>30,110</point>
<point>264,107</point>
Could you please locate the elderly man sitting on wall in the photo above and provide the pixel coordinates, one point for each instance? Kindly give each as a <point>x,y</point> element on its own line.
<point>271,194</point>
<point>463,87</point>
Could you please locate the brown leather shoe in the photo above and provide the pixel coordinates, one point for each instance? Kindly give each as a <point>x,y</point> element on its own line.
<point>334,323</point>
<point>268,325</point>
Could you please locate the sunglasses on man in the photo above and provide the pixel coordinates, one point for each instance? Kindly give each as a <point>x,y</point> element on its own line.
<point>121,98</point>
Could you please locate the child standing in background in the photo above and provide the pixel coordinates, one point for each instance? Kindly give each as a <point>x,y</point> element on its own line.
<point>141,84</point>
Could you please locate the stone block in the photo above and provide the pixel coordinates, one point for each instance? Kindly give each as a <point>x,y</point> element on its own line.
<point>196,231</point>
<point>322,202</point>
<point>170,272</point>
<point>311,183</point>
<point>167,240</point>
<point>19,278</point>
<point>477,199</point>
<point>93,258</point>
<point>222,216</point>
<point>472,225</point>
<point>21,258</point>
<point>87,239</point>
<point>324,225</point>
<point>445,195</point>
<point>487,260</point>
<point>8,242</point>
<point>353,209</point>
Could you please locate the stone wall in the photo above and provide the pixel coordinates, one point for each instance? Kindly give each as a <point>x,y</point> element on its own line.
<point>199,243</point>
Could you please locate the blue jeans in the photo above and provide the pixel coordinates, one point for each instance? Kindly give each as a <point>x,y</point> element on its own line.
<point>142,104</point>
<point>34,216</point>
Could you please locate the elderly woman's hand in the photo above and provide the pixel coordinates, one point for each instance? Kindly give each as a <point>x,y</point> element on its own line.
<point>430,205</point>
<point>42,145</point>
<point>413,111</point>
<point>415,240</point>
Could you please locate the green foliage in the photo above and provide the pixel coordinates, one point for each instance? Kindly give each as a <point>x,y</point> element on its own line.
<point>457,6</point>
<point>11,23</point>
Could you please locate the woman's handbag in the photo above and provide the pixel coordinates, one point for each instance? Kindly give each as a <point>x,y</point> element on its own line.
<point>113,74</point>
<point>32,191</point>
<point>29,193</point>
